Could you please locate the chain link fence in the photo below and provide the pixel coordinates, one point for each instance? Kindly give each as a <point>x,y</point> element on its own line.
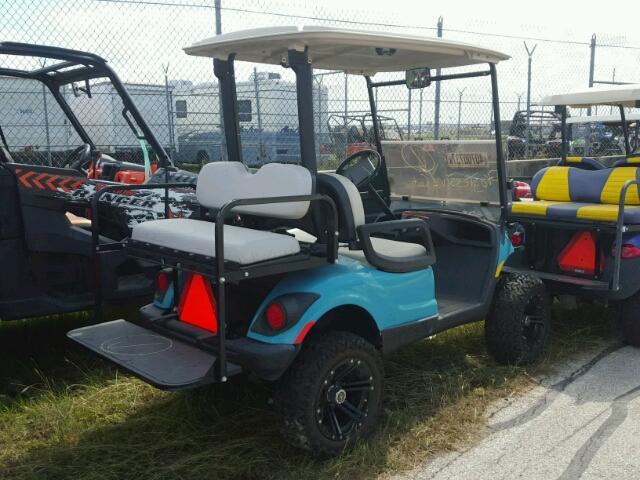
<point>178,95</point>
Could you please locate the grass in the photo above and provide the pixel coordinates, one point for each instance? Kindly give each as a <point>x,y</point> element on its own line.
<point>66,414</point>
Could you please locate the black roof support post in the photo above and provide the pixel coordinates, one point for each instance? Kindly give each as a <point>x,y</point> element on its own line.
<point>562,110</point>
<point>300,63</point>
<point>502,174</point>
<point>225,73</point>
<point>625,131</point>
<point>376,133</point>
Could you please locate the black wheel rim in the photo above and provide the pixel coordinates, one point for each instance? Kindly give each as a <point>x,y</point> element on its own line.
<point>343,402</point>
<point>533,323</point>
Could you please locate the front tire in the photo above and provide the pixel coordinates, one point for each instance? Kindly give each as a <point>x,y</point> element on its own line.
<point>332,394</point>
<point>518,325</point>
<point>630,320</point>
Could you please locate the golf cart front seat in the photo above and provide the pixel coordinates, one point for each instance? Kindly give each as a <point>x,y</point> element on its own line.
<point>382,253</point>
<point>221,182</point>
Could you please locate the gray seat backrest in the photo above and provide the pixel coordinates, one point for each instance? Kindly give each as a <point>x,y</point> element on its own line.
<point>348,203</point>
<point>221,182</point>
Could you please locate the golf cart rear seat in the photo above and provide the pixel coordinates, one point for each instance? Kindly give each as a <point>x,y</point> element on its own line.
<point>575,194</point>
<point>218,184</point>
<point>586,163</point>
<point>358,243</point>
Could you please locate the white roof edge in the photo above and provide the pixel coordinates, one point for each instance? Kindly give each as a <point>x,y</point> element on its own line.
<point>625,95</point>
<point>629,117</point>
<point>344,49</point>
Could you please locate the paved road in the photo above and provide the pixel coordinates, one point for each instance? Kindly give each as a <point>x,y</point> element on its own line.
<point>583,423</point>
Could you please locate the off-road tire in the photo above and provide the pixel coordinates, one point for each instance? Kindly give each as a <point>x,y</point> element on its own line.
<point>629,320</point>
<point>298,391</point>
<point>510,340</point>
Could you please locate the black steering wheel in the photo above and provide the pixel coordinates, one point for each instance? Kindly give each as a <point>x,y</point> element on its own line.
<point>362,168</point>
<point>79,159</point>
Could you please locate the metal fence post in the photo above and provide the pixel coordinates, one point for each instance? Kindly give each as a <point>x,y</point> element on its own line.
<point>592,64</point>
<point>223,144</point>
<point>46,119</point>
<point>528,137</point>
<point>409,115</point>
<point>460,92</point>
<point>420,114</point>
<point>256,88</point>
<point>167,94</point>
<point>436,115</point>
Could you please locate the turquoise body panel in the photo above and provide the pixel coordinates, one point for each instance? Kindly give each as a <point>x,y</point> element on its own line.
<point>392,299</point>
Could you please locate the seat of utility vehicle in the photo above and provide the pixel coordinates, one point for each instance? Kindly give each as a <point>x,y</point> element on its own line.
<point>568,193</point>
<point>221,182</point>
<point>351,215</point>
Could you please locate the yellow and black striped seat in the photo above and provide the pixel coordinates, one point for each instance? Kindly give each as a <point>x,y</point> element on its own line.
<point>573,193</point>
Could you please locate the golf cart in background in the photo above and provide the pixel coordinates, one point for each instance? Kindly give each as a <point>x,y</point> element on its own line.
<point>46,245</point>
<point>582,231</point>
<point>600,135</point>
<point>305,278</point>
<point>534,127</point>
<point>351,133</point>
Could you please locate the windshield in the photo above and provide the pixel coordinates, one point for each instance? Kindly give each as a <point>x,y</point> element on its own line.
<point>100,112</point>
<point>460,174</point>
<point>36,129</point>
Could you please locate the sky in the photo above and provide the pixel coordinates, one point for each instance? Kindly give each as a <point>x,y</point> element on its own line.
<point>140,37</point>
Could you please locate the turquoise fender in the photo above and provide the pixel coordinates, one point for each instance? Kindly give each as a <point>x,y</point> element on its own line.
<point>391,299</point>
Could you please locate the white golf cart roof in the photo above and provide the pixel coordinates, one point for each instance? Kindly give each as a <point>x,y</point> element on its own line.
<point>625,95</point>
<point>632,117</point>
<point>353,51</point>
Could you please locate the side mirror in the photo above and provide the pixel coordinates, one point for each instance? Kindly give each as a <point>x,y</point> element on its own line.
<point>417,78</point>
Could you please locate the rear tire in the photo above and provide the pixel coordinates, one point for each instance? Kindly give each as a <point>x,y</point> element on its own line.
<point>519,323</point>
<point>331,395</point>
<point>630,320</point>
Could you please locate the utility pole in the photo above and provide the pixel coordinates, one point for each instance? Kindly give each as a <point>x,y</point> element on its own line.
<point>519,95</point>
<point>592,65</point>
<point>436,119</point>
<point>223,143</point>
<point>460,92</point>
<point>528,137</point>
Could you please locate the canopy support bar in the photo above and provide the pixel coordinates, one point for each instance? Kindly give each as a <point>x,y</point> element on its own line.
<point>225,73</point>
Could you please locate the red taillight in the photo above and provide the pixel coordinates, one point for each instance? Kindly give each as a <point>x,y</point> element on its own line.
<point>516,238</point>
<point>276,316</point>
<point>628,251</point>
<point>162,283</point>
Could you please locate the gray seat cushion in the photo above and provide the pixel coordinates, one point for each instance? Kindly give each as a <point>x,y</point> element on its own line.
<point>241,245</point>
<point>387,248</point>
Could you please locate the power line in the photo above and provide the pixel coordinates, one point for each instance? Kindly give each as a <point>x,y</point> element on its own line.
<point>358,22</point>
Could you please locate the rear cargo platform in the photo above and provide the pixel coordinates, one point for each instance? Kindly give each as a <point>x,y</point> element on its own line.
<point>164,362</point>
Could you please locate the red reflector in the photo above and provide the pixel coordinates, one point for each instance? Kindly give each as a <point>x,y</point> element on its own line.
<point>579,256</point>
<point>628,251</point>
<point>516,239</point>
<point>276,317</point>
<point>198,305</point>
<point>162,283</point>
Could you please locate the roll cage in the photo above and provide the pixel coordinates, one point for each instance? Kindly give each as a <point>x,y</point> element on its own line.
<point>76,66</point>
